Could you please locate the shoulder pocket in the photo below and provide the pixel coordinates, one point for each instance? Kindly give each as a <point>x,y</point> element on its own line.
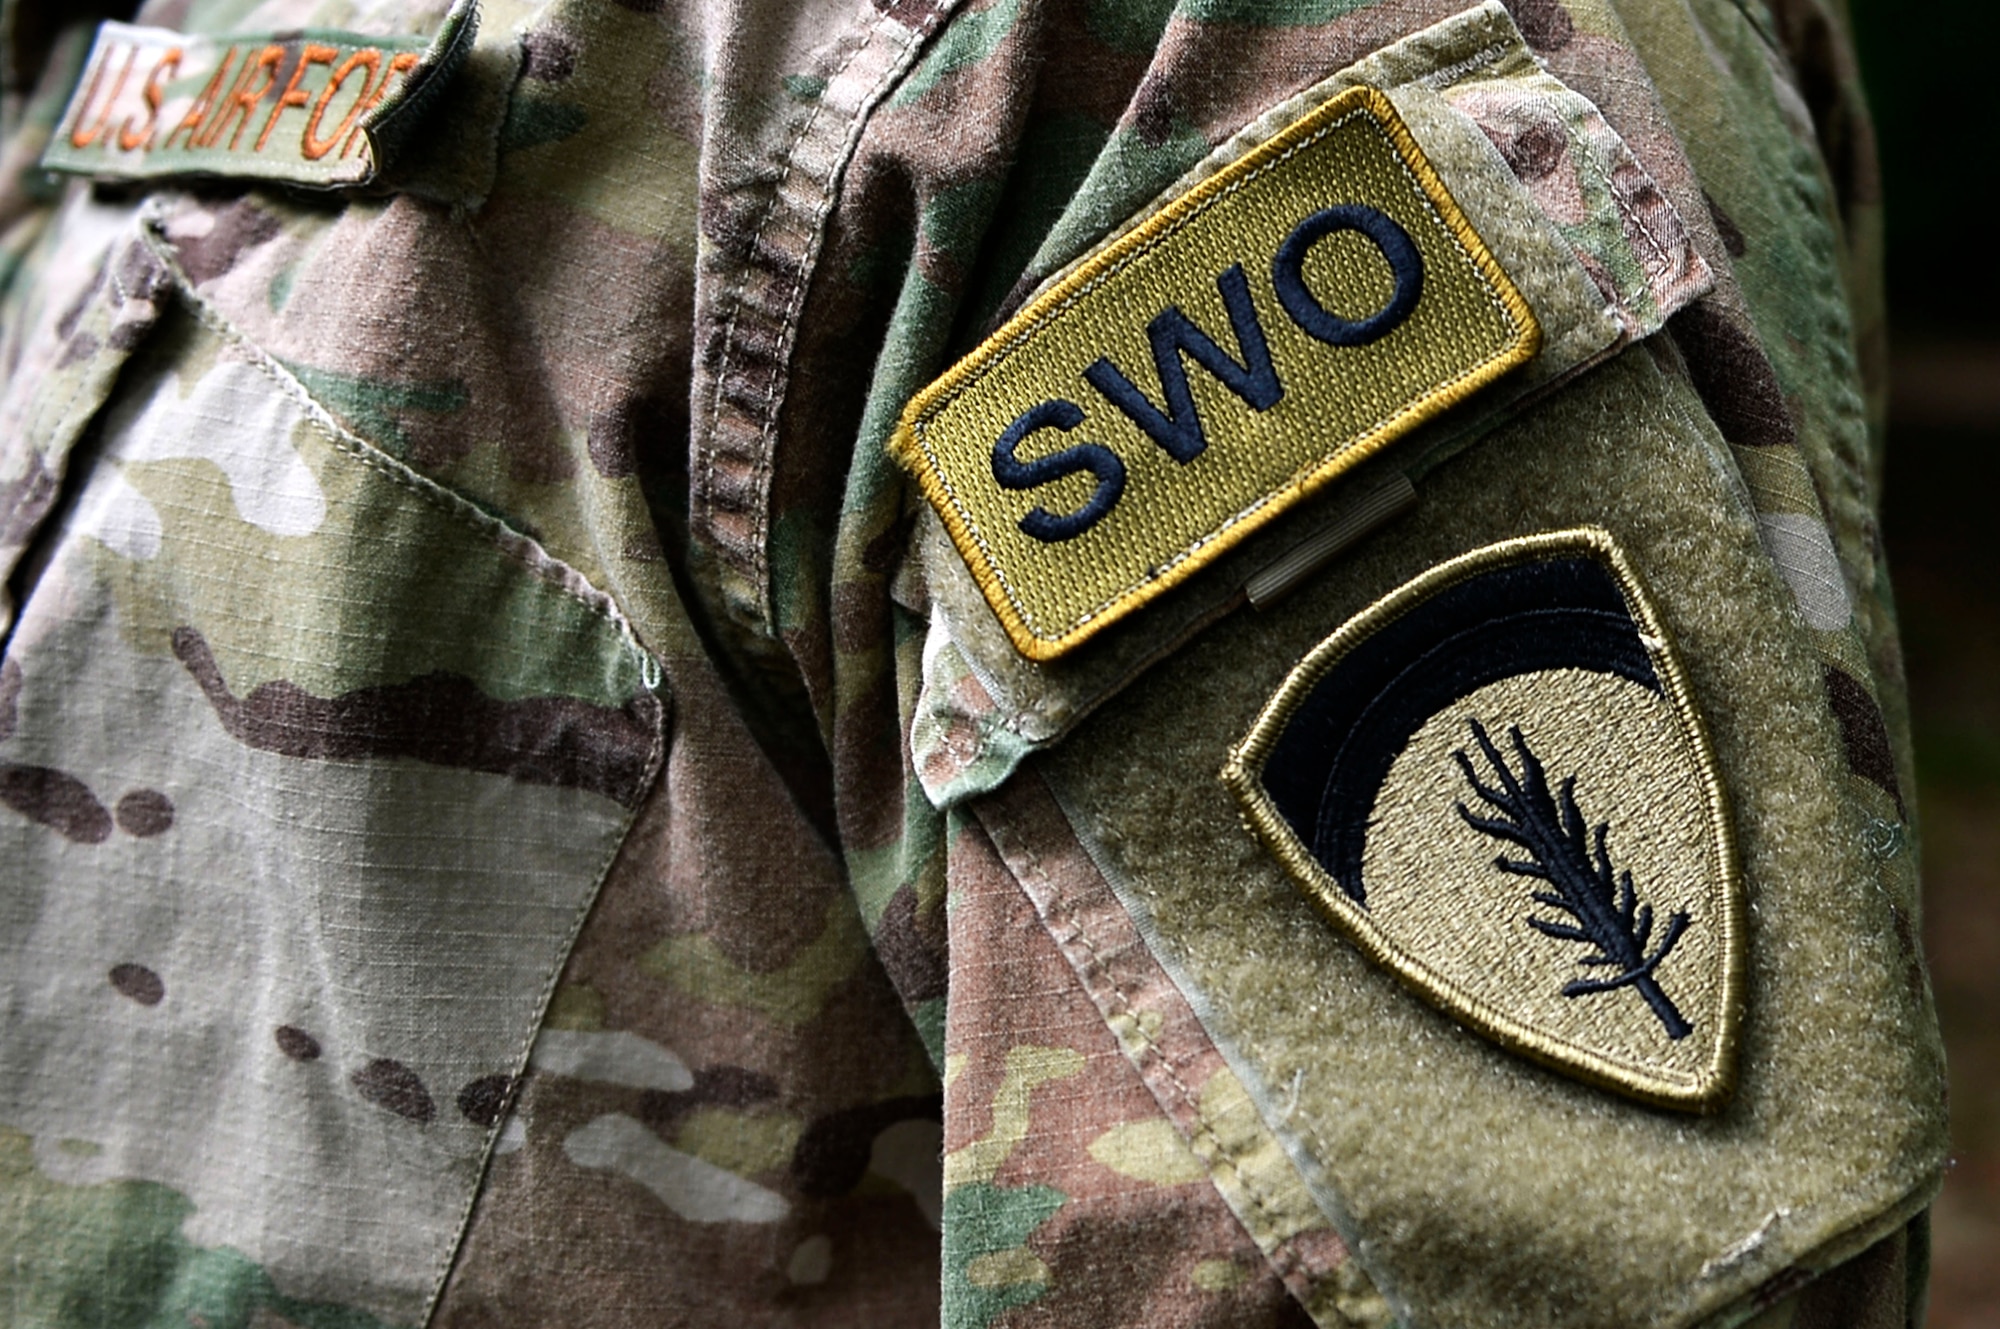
<point>1598,256</point>
<point>1679,766</point>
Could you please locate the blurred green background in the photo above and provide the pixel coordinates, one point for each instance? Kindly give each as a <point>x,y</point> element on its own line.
<point>1930,76</point>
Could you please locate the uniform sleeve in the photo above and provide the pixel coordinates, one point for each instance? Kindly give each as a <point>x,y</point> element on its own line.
<point>1507,844</point>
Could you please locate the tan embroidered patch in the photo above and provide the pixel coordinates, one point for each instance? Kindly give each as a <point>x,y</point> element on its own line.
<point>1234,353</point>
<point>1494,781</point>
<point>305,107</point>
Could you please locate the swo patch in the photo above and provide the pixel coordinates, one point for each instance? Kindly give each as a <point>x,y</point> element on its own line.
<point>1333,297</point>
<point>1493,780</point>
<point>311,107</point>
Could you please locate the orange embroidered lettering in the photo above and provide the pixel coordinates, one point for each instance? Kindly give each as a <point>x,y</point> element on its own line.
<point>191,122</point>
<point>242,97</point>
<point>312,53</point>
<point>315,147</point>
<point>154,93</point>
<point>403,61</point>
<point>295,105</point>
<point>78,137</point>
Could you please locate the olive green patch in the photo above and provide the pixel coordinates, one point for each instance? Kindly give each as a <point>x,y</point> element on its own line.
<point>1493,780</point>
<point>1329,295</point>
<point>312,107</point>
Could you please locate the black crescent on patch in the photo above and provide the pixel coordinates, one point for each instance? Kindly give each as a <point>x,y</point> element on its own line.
<point>1495,782</point>
<point>1345,735</point>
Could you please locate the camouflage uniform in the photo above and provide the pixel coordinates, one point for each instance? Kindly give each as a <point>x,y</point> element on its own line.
<point>513,815</point>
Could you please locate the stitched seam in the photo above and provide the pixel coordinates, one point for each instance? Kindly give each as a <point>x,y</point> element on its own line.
<point>799,274</point>
<point>1664,262</point>
<point>788,324</point>
<point>527,1046</point>
<point>741,285</point>
<point>1075,934</point>
<point>1455,73</point>
<point>1664,258</point>
<point>62,413</point>
<point>1282,1254</point>
<point>504,538</point>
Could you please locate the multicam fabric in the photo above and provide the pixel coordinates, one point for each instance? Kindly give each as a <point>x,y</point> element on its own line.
<point>470,709</point>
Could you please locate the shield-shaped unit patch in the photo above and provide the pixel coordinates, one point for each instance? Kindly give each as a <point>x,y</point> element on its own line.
<point>1494,781</point>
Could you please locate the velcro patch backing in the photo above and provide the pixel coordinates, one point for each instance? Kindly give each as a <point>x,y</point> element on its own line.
<point>1262,334</point>
<point>303,107</point>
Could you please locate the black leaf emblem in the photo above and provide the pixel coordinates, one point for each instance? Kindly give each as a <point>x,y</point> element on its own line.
<point>1600,903</point>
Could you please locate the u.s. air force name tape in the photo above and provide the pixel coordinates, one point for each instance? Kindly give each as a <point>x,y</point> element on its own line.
<point>1331,295</point>
<point>308,107</point>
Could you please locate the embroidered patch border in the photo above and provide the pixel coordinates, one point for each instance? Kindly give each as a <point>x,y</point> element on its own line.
<point>1705,1091</point>
<point>1108,587</point>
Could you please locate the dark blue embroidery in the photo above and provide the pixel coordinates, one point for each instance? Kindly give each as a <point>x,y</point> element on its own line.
<point>1174,339</point>
<point>1575,863</point>
<point>1325,771</point>
<point>1100,461</point>
<point>1288,275</point>
<point>1178,429</point>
